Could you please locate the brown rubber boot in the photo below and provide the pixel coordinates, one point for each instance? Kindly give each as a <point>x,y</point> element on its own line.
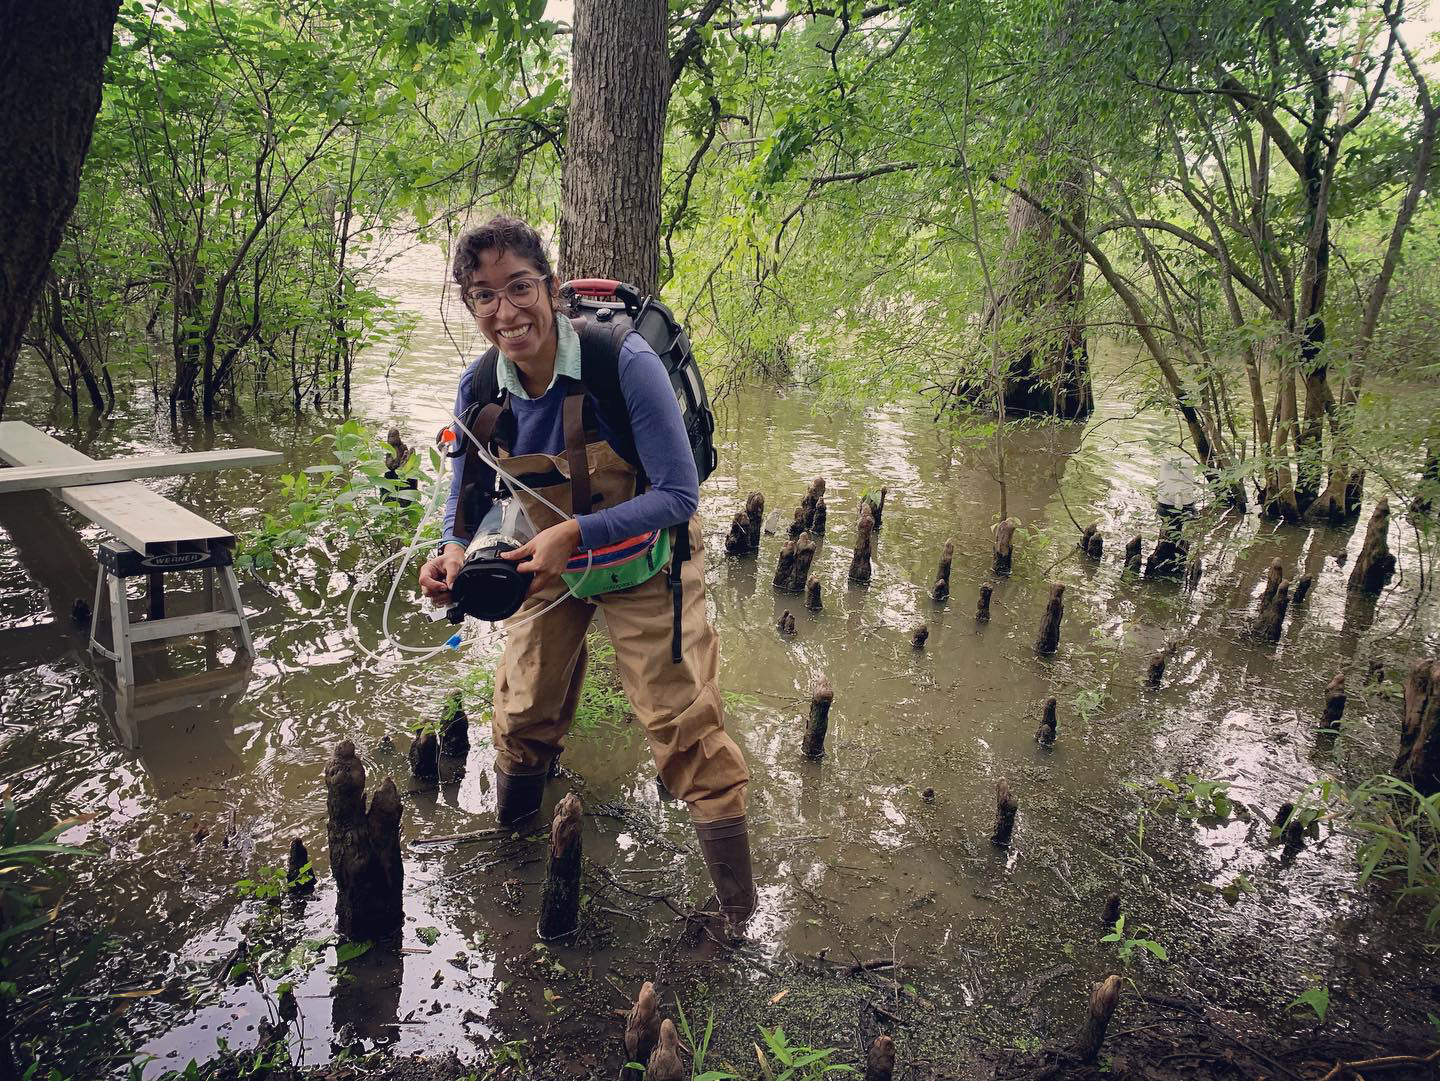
<point>726,847</point>
<point>517,797</point>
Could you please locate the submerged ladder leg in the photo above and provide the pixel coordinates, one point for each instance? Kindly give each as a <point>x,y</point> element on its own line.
<point>230,588</point>
<point>120,634</point>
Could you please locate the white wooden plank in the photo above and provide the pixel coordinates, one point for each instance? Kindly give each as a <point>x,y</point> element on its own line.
<point>178,626</point>
<point>25,445</point>
<point>147,522</point>
<point>111,470</point>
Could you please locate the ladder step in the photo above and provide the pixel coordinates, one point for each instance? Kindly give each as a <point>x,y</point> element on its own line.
<point>180,626</point>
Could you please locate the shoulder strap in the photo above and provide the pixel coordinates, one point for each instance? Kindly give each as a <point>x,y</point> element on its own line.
<point>600,369</point>
<point>573,418</point>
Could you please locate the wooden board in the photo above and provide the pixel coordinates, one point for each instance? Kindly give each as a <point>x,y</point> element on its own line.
<point>147,522</point>
<point>112,470</point>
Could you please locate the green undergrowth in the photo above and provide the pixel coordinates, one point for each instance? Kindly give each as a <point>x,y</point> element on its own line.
<point>349,502</point>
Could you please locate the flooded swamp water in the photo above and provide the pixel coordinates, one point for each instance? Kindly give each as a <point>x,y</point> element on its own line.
<point>995,947</point>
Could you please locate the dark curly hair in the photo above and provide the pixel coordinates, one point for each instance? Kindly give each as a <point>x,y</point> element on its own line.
<point>500,234</point>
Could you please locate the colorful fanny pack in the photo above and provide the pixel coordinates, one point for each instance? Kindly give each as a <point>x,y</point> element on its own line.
<point>620,565</point>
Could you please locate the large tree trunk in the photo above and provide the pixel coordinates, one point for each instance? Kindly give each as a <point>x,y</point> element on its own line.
<point>619,90</point>
<point>1041,287</point>
<point>52,63</point>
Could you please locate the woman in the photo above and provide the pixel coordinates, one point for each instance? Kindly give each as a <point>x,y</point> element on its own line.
<point>539,361</point>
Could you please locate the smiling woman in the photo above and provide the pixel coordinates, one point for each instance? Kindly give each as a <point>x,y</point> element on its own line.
<point>594,414</point>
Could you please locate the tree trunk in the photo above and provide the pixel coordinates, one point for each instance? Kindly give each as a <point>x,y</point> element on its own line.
<point>619,90</point>
<point>52,62</point>
<point>1042,281</point>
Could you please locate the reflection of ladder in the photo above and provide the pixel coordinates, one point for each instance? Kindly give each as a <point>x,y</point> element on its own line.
<point>119,562</point>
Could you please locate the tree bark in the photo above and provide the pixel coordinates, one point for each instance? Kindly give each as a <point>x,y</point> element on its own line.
<point>1042,281</point>
<point>619,91</point>
<point>52,63</point>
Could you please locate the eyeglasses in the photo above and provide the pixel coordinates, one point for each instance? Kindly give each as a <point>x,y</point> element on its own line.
<point>521,292</point>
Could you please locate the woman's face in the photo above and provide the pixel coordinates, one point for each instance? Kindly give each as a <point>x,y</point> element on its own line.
<point>523,334</point>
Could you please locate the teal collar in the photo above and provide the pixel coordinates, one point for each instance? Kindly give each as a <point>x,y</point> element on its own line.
<point>567,360</point>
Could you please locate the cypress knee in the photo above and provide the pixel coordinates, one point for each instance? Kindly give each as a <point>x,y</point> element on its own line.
<point>785,567</point>
<point>1086,535</point>
<point>560,897</point>
<point>1004,546</point>
<point>880,1059</point>
<point>364,849</point>
<point>1155,671</point>
<point>1302,590</point>
<point>665,1064</point>
<point>812,594</point>
<point>804,556</point>
<point>1270,623</point>
<point>1132,553</point>
<point>860,562</point>
<point>1046,732</point>
<point>1111,912</point>
<point>755,517</point>
<point>800,522</point>
<point>1193,570</point>
<point>786,624</point>
<point>299,874</point>
<point>941,591</point>
<point>1103,999</point>
<point>877,506</point>
<point>1168,557</point>
<point>1005,808</point>
<point>737,541</point>
<point>1375,565</point>
<point>982,608</point>
<point>1096,548</point>
<point>1419,760</point>
<point>642,1029</point>
<point>819,723</point>
<point>1048,639</point>
<point>1335,698</point>
<point>425,755</point>
<point>454,726</point>
<point>918,636</point>
<point>818,517</point>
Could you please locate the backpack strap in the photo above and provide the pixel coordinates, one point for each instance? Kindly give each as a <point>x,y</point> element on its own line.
<point>600,368</point>
<point>572,413</point>
<point>487,405</point>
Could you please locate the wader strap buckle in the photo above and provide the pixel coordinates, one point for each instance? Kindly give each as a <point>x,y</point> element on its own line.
<point>573,416</point>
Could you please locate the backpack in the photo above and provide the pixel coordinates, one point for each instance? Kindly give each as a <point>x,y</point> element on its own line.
<point>608,311</point>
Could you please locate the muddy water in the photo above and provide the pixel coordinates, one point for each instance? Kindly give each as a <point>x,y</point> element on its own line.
<point>851,858</point>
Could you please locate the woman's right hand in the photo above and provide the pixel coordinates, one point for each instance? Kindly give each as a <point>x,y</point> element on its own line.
<point>438,572</point>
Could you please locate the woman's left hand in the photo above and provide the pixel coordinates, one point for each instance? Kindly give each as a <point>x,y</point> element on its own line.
<point>546,554</point>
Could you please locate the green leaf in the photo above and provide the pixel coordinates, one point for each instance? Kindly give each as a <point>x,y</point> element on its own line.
<point>1316,999</point>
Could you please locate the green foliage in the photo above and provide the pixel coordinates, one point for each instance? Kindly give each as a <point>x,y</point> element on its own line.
<point>1315,999</point>
<point>795,1062</point>
<point>1400,831</point>
<point>1126,943</point>
<point>350,500</point>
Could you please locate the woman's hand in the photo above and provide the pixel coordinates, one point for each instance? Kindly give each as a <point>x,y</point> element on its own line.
<point>546,554</point>
<point>437,574</point>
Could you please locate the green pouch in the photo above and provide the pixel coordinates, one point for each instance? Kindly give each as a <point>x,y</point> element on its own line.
<point>620,565</point>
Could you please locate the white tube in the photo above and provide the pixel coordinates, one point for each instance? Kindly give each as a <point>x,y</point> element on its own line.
<point>455,641</point>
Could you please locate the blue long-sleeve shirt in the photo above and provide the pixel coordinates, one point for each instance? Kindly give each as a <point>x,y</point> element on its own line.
<point>657,428</point>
